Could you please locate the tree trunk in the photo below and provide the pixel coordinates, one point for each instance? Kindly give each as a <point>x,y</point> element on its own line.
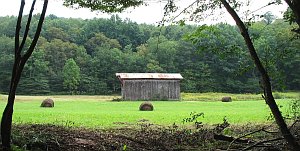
<point>268,96</point>
<point>6,120</point>
<point>295,7</point>
<point>19,63</point>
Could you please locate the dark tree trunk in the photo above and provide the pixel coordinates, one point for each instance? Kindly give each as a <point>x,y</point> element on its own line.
<point>268,96</point>
<point>295,7</point>
<point>19,64</point>
<point>8,111</point>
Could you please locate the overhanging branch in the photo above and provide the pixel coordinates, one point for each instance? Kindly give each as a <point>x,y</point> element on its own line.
<point>18,28</point>
<point>27,26</point>
<point>37,34</point>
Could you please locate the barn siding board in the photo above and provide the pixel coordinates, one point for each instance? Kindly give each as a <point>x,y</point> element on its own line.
<point>150,89</point>
<point>150,86</point>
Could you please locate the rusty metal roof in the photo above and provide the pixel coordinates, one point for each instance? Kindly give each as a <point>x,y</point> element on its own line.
<point>149,75</point>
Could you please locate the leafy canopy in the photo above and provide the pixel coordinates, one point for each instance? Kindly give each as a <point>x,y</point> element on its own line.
<point>107,6</point>
<point>71,73</point>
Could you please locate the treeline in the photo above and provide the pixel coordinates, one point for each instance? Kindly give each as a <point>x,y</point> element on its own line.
<point>82,56</point>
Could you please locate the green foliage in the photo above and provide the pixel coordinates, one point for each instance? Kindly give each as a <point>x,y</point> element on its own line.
<point>153,66</point>
<point>108,6</point>
<point>222,126</point>
<point>289,16</point>
<point>210,58</point>
<point>293,111</point>
<point>124,147</point>
<point>100,40</point>
<point>71,75</point>
<point>16,148</point>
<point>194,119</point>
<point>181,23</point>
<point>6,62</point>
<point>34,86</point>
<point>35,80</point>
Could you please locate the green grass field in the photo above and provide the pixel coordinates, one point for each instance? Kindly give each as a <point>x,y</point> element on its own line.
<point>101,112</point>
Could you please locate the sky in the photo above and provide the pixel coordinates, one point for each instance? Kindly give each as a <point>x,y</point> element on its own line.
<point>150,14</point>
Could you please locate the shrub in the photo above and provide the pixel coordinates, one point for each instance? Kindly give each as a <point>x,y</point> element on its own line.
<point>277,95</point>
<point>294,110</point>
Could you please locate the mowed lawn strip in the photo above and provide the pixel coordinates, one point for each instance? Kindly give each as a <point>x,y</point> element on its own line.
<point>105,114</point>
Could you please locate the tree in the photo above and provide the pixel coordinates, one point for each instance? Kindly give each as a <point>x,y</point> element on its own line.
<point>164,53</point>
<point>108,6</point>
<point>221,48</point>
<point>105,63</point>
<point>71,74</point>
<point>57,53</point>
<point>125,32</point>
<point>294,5</point>
<point>7,26</point>
<point>21,58</point>
<point>6,62</point>
<point>34,78</point>
<point>269,18</point>
<point>265,81</point>
<point>275,45</point>
<point>56,33</point>
<point>266,84</point>
<point>100,40</point>
<point>19,63</point>
<point>202,71</point>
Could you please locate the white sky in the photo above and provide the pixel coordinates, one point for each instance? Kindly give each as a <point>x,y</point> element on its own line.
<point>150,14</point>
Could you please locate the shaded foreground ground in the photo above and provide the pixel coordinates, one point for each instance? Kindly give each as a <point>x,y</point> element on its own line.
<point>148,137</point>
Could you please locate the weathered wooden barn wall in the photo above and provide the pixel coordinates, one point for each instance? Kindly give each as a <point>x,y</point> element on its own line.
<point>151,89</point>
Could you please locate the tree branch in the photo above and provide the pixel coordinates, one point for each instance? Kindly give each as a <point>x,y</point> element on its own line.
<point>27,26</point>
<point>270,132</point>
<point>37,34</point>
<point>262,142</point>
<point>19,63</point>
<point>238,138</point>
<point>271,3</point>
<point>17,42</point>
<point>230,139</point>
<point>184,10</point>
<point>294,124</point>
<point>18,28</point>
<point>265,77</point>
<point>294,5</point>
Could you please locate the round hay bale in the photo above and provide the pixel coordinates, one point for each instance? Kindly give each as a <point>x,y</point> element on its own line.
<point>226,99</point>
<point>146,106</point>
<point>47,103</point>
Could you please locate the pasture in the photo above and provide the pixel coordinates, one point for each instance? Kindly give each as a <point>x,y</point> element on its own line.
<point>101,112</point>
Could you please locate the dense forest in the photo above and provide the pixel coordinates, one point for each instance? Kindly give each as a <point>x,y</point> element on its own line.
<point>82,56</point>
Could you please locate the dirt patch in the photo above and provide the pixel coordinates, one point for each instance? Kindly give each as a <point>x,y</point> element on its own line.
<point>147,137</point>
<point>55,138</point>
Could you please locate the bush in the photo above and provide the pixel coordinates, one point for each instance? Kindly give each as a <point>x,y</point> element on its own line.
<point>294,109</point>
<point>277,95</point>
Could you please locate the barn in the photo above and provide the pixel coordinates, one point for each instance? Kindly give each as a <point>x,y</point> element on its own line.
<point>150,86</point>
